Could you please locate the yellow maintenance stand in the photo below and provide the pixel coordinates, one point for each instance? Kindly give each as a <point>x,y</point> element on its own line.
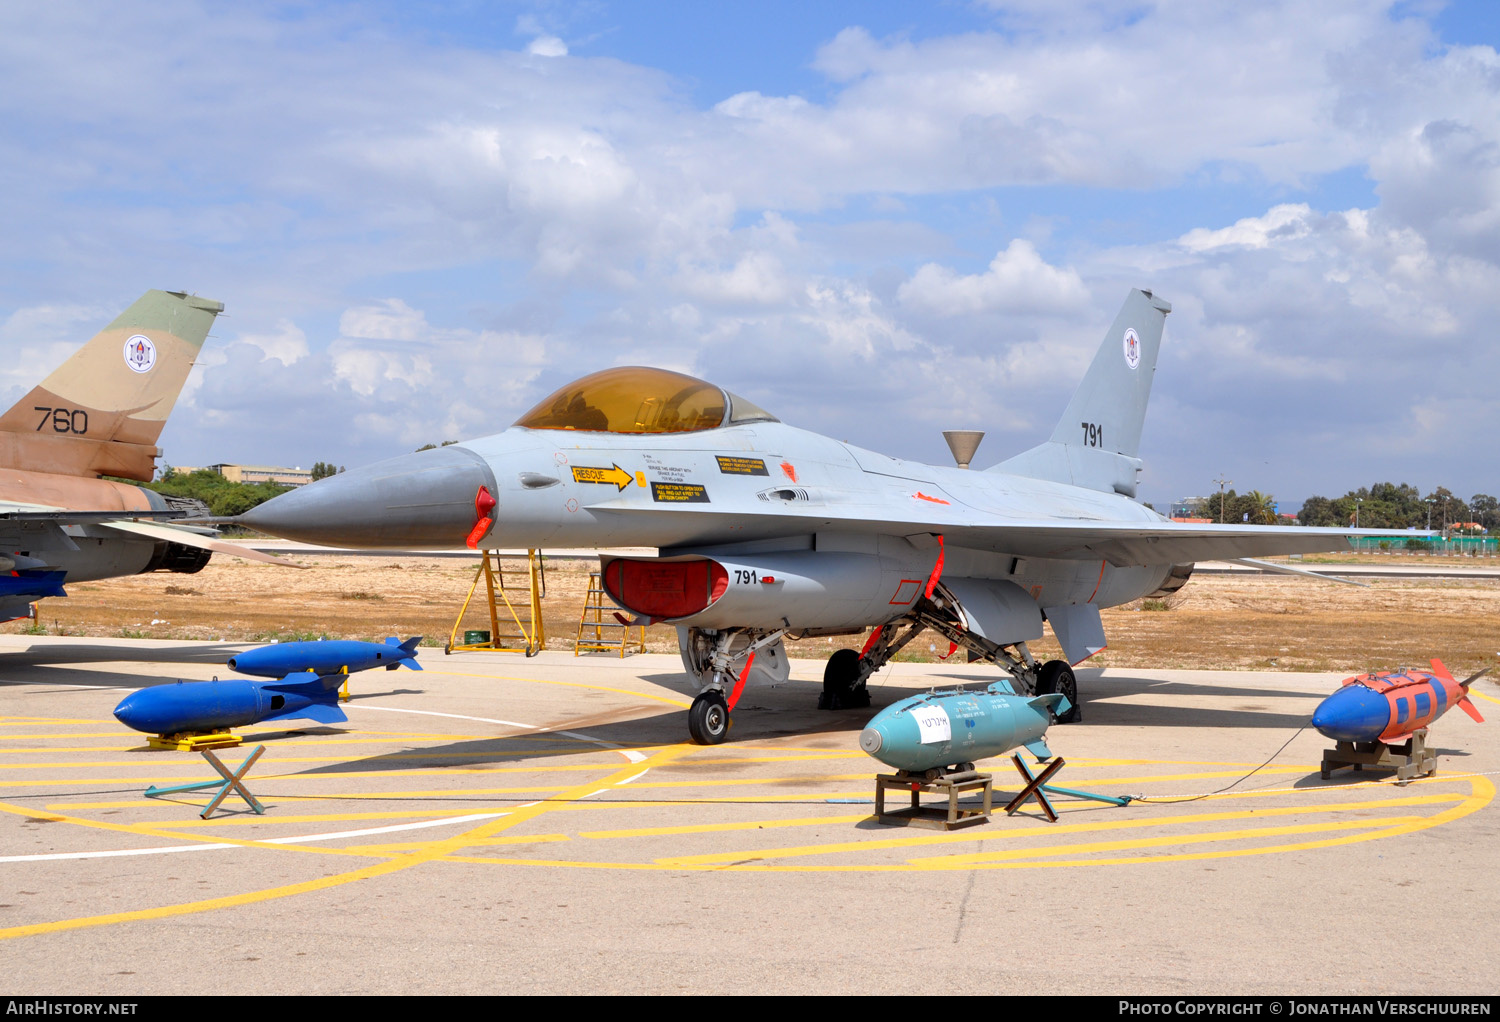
<point>595,634</point>
<point>520,628</point>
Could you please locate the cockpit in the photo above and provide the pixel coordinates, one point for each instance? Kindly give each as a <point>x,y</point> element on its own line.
<point>639,399</point>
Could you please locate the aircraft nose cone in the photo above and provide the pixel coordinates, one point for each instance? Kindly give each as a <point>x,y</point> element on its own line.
<point>1352,714</point>
<point>422,500</point>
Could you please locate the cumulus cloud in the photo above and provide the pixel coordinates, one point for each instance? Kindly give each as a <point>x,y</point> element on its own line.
<point>1018,280</point>
<point>287,345</point>
<point>547,46</point>
<point>418,238</point>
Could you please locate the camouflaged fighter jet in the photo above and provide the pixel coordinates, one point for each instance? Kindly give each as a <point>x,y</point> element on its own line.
<point>766,531</point>
<point>100,414</point>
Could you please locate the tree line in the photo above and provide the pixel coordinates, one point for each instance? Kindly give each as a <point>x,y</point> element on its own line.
<point>222,496</point>
<point>1382,506</point>
<point>1402,506</point>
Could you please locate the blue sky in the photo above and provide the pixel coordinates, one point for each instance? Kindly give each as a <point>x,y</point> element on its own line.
<point>877,219</point>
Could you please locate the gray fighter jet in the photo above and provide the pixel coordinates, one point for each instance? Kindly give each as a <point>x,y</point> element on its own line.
<point>766,531</point>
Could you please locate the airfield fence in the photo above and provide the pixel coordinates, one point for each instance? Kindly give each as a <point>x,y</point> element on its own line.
<point>1436,546</point>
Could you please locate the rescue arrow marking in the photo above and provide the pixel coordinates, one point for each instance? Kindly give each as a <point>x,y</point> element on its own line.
<point>615,474</point>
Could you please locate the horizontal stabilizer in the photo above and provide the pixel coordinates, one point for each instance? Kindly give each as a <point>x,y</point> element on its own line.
<point>1039,749</point>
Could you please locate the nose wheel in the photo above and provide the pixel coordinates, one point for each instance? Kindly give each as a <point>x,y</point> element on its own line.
<point>708,718</point>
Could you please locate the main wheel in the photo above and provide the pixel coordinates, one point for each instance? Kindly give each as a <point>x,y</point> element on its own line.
<point>1057,676</point>
<point>839,676</point>
<point>708,718</point>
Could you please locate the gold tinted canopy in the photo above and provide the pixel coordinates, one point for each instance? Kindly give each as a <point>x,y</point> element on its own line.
<point>639,399</point>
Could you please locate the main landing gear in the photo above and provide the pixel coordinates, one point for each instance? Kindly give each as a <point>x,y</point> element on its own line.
<point>843,682</point>
<point>848,671</point>
<point>1057,676</point>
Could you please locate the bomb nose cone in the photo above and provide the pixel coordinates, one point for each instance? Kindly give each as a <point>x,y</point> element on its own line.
<point>128,712</point>
<point>1352,714</point>
<point>422,500</point>
<point>870,740</point>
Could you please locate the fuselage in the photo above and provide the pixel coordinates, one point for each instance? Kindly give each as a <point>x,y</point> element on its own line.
<point>762,489</point>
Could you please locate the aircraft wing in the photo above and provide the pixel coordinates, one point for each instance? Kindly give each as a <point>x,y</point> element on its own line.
<point>188,537</point>
<point>1122,544</point>
<point>51,520</point>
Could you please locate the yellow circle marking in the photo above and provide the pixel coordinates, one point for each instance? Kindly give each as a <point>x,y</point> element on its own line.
<point>426,853</point>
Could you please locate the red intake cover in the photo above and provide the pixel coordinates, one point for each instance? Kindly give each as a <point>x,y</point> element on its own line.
<point>665,589</point>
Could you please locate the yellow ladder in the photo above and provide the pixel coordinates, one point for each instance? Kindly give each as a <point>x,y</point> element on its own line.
<point>529,634</point>
<point>592,622</point>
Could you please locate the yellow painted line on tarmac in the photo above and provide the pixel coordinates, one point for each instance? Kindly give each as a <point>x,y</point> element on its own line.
<point>1025,833</point>
<point>1481,695</point>
<point>58,750</point>
<point>254,820</point>
<point>263,778</point>
<point>522,839</point>
<point>740,782</point>
<point>740,760</point>
<point>72,734</point>
<point>157,831</point>
<point>1206,775</point>
<point>335,796</point>
<point>1211,837</point>
<point>721,828</point>
<point>287,760</point>
<point>750,861</point>
<point>30,721</point>
<point>571,684</point>
<point>1484,792</point>
<point>427,853</point>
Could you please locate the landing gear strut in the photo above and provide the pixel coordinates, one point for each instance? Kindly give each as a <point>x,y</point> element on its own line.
<point>719,662</point>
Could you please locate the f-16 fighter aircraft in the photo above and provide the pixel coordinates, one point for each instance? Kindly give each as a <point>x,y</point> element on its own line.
<point>766,531</point>
<point>100,414</point>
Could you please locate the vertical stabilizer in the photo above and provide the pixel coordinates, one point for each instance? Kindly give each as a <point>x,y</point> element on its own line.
<point>101,411</point>
<point>1099,437</point>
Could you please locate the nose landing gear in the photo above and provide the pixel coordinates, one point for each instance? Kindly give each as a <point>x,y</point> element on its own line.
<point>708,718</point>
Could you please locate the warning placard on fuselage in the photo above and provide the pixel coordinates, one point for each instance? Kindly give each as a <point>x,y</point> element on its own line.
<point>679,493</point>
<point>732,465</point>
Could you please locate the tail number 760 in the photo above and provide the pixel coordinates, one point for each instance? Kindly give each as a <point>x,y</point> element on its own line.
<point>62,420</point>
